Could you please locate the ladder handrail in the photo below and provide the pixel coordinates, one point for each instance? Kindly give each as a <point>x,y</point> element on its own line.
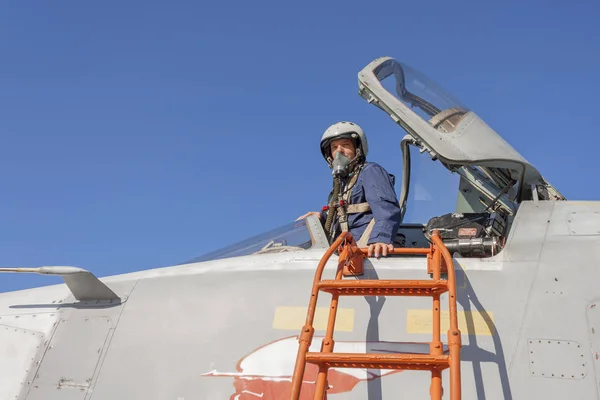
<point>454,335</point>
<point>306,336</point>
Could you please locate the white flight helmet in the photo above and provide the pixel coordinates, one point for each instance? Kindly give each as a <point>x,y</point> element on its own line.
<point>341,130</point>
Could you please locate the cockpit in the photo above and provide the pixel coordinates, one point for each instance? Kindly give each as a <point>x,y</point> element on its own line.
<point>493,178</point>
<point>484,179</point>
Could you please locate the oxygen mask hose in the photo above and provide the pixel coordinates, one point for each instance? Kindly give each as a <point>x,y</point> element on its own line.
<point>332,209</point>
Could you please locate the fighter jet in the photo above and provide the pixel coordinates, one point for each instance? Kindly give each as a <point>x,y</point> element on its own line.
<point>512,270</point>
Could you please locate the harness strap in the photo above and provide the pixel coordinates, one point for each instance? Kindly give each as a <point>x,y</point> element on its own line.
<point>358,208</point>
<point>343,211</point>
<point>344,226</point>
<point>344,199</point>
<point>364,239</point>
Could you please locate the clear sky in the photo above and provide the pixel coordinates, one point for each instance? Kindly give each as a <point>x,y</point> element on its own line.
<point>138,134</point>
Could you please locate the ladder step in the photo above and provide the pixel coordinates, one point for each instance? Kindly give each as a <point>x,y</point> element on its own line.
<point>423,362</point>
<point>384,288</point>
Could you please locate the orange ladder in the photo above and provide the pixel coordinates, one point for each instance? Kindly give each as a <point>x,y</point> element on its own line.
<point>351,264</point>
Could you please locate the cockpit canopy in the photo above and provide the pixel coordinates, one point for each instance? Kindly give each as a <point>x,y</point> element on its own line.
<point>451,133</point>
<point>289,237</point>
<point>425,97</point>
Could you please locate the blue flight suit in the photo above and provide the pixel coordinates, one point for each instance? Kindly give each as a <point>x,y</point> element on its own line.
<point>376,187</point>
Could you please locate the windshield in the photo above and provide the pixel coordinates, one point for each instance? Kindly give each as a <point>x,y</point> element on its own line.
<point>290,237</point>
<point>425,97</point>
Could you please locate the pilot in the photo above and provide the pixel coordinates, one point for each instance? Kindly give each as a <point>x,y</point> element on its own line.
<point>363,200</point>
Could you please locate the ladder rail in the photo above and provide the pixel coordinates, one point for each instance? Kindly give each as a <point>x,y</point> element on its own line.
<point>454,334</point>
<point>328,342</point>
<point>436,347</point>
<point>308,330</point>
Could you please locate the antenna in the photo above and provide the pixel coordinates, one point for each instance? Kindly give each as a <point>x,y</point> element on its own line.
<point>83,284</point>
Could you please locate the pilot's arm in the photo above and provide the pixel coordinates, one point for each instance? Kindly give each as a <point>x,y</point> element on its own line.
<point>380,194</point>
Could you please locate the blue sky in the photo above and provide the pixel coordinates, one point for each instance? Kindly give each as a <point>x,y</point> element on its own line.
<point>142,134</point>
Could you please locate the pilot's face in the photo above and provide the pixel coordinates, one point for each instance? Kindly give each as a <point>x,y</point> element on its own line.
<point>344,146</point>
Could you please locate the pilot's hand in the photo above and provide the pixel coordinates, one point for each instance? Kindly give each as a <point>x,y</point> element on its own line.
<point>379,248</point>
<point>315,213</point>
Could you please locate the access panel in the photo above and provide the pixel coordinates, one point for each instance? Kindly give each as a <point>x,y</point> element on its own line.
<point>68,367</point>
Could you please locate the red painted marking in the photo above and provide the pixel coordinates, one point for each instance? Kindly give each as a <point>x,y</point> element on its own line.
<point>254,388</point>
<point>248,386</point>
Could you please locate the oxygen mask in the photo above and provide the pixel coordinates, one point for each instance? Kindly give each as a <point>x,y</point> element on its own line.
<point>340,165</point>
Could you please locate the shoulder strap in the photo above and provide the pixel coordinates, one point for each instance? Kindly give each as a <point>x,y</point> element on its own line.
<point>343,215</point>
<point>357,208</point>
<point>364,239</point>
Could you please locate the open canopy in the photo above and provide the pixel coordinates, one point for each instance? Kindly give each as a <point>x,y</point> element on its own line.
<point>447,129</point>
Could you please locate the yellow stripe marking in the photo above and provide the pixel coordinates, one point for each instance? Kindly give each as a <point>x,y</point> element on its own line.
<point>294,318</point>
<point>421,321</point>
